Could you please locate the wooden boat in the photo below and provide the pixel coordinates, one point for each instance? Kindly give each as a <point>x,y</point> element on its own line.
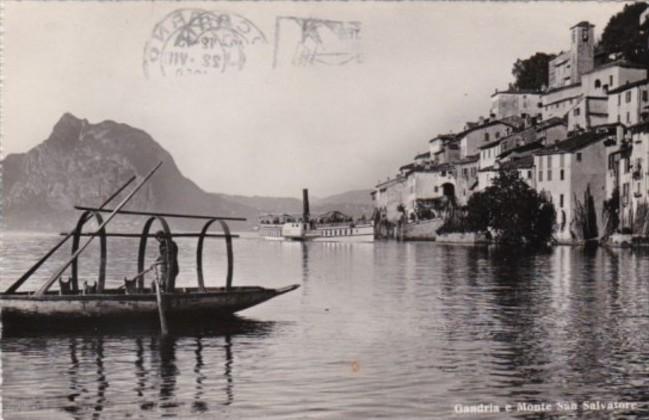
<point>115,304</point>
<point>131,301</point>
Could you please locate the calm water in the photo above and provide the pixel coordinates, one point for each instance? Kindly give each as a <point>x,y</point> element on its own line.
<point>397,330</point>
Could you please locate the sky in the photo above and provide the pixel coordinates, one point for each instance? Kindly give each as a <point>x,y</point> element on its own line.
<point>257,129</point>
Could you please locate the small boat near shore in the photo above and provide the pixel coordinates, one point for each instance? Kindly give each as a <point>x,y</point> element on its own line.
<point>132,301</point>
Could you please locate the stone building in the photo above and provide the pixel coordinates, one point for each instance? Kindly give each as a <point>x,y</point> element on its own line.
<point>466,178</point>
<point>521,103</point>
<point>485,132</point>
<point>567,67</point>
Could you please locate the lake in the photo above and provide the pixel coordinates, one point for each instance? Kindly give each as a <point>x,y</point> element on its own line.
<point>399,330</point>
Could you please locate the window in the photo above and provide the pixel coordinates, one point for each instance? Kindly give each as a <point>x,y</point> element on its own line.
<point>497,134</point>
<point>645,96</point>
<point>561,200</point>
<point>561,175</point>
<point>436,189</point>
<point>598,84</point>
<point>628,117</point>
<point>627,97</point>
<point>549,174</point>
<point>540,176</point>
<point>486,136</point>
<point>561,159</point>
<point>578,157</point>
<point>576,112</point>
<point>549,161</point>
<point>610,80</point>
<point>529,174</point>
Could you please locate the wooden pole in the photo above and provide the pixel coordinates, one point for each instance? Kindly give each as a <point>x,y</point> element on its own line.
<point>126,199</point>
<point>151,213</point>
<point>28,273</point>
<point>161,313</point>
<point>152,235</point>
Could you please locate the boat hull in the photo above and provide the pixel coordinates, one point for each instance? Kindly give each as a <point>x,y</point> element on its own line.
<point>115,305</point>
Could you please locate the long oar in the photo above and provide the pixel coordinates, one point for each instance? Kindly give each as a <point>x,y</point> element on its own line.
<point>126,199</point>
<point>161,313</point>
<point>40,262</point>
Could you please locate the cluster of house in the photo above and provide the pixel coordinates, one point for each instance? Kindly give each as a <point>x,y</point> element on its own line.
<point>587,132</point>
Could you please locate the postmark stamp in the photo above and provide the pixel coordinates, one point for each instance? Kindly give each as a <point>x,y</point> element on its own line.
<point>309,42</point>
<point>201,42</point>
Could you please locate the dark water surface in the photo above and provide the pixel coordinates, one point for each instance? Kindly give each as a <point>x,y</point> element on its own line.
<point>396,330</point>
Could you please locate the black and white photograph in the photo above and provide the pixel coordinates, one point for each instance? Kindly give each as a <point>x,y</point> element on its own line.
<point>324,209</point>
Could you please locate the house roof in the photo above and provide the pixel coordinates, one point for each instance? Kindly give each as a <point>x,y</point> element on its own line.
<point>574,143</point>
<point>522,149</point>
<point>468,159</point>
<point>423,155</point>
<point>584,23</point>
<point>491,144</point>
<point>489,168</point>
<point>560,88</point>
<point>484,125</point>
<point>524,162</point>
<point>443,137</point>
<point>642,127</point>
<point>623,63</point>
<point>407,166</point>
<point>517,92</point>
<point>628,86</point>
<point>549,123</point>
<point>526,136</point>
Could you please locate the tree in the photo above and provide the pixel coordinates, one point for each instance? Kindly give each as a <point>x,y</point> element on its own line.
<point>623,34</point>
<point>532,73</point>
<point>516,213</point>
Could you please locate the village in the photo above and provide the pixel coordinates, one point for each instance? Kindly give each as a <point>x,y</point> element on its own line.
<point>583,138</point>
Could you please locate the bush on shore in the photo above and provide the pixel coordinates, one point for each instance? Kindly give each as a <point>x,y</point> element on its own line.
<point>513,211</point>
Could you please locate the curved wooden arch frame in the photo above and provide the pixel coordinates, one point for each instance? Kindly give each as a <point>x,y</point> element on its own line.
<point>141,255</point>
<point>103,252</point>
<point>199,254</point>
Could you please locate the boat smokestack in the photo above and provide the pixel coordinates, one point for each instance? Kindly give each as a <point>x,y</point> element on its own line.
<point>305,205</point>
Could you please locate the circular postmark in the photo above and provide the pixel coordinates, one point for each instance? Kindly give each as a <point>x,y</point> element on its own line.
<point>200,42</point>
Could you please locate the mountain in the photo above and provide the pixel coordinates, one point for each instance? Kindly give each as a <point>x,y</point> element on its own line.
<point>353,203</point>
<point>83,163</point>
<point>267,204</point>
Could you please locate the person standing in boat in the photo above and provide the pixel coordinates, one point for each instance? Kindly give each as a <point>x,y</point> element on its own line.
<point>167,260</point>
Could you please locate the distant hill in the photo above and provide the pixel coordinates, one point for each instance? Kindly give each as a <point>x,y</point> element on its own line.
<point>83,163</point>
<point>353,203</point>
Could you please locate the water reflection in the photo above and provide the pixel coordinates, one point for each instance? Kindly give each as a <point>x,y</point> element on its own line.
<point>149,369</point>
<point>426,326</point>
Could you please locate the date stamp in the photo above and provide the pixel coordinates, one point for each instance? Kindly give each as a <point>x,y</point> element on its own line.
<point>190,42</point>
<point>305,42</point>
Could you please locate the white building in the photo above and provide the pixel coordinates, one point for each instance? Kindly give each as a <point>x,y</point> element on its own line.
<point>565,171</point>
<point>628,103</point>
<point>478,135</point>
